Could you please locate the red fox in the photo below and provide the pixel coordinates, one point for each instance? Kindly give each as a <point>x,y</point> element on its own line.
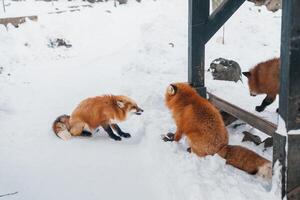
<point>93,112</point>
<point>264,79</point>
<point>205,130</point>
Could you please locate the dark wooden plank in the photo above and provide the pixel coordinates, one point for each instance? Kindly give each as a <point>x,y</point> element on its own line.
<point>198,15</point>
<point>217,19</point>
<point>227,118</point>
<point>16,21</point>
<point>255,121</point>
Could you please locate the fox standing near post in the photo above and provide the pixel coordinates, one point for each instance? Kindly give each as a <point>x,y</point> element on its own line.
<point>264,79</point>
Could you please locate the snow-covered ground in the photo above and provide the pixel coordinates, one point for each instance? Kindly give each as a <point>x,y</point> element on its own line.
<point>119,50</point>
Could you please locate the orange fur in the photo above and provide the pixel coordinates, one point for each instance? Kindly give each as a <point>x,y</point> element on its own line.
<point>205,130</point>
<point>198,119</point>
<point>243,159</point>
<point>96,111</point>
<point>264,78</point>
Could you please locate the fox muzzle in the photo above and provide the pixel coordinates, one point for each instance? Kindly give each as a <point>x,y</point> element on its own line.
<point>139,111</point>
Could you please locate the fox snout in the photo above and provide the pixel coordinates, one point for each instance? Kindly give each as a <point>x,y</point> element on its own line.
<point>139,111</point>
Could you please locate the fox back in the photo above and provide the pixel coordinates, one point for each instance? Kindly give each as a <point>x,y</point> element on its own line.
<point>198,119</point>
<point>105,109</point>
<point>264,78</point>
<point>205,130</point>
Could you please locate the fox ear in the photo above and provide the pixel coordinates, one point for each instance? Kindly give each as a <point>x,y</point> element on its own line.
<point>247,74</point>
<point>172,89</point>
<point>120,104</point>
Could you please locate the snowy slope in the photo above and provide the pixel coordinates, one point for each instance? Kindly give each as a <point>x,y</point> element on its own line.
<point>124,50</point>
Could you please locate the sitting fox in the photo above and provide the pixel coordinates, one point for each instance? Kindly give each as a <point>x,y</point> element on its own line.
<point>91,113</point>
<point>202,124</point>
<point>264,79</point>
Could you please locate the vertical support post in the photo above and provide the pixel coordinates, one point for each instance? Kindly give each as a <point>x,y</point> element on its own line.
<point>3,6</point>
<point>287,147</point>
<point>198,15</point>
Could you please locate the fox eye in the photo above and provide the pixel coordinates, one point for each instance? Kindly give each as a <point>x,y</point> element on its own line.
<point>172,89</point>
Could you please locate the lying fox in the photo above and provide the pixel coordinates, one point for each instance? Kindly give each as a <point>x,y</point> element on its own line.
<point>93,112</point>
<point>205,130</point>
<point>264,79</point>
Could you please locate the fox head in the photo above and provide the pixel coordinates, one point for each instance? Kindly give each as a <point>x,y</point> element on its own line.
<point>128,105</point>
<point>252,83</point>
<point>178,94</point>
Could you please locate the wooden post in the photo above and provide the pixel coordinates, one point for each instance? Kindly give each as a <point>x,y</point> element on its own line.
<point>202,27</point>
<point>217,19</point>
<point>3,5</point>
<point>198,15</point>
<point>289,102</point>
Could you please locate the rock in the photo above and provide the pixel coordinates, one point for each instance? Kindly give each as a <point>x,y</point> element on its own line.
<point>223,69</point>
<point>268,142</point>
<point>251,138</point>
<point>58,42</point>
<point>122,1</point>
<point>271,5</point>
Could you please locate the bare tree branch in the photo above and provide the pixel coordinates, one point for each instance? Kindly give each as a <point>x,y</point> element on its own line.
<point>8,194</point>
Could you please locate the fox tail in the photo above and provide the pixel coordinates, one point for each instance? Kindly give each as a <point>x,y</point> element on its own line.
<point>61,127</point>
<point>247,160</point>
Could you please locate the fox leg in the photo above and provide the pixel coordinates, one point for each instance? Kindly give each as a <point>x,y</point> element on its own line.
<point>110,132</point>
<point>87,131</point>
<point>178,135</point>
<point>80,129</point>
<point>119,131</point>
<point>267,101</point>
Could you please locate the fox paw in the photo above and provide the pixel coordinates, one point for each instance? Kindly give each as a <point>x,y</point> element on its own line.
<point>86,134</point>
<point>169,137</point>
<point>259,108</point>
<point>117,138</point>
<point>125,135</point>
<point>189,150</point>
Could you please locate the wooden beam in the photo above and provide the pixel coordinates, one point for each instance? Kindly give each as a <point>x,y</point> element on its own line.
<point>255,121</point>
<point>16,21</point>
<point>227,118</point>
<point>217,19</point>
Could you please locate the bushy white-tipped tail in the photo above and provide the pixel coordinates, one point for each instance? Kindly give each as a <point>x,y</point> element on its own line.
<point>265,171</point>
<point>64,134</point>
<point>61,127</point>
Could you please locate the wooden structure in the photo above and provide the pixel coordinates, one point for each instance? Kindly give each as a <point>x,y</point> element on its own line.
<point>202,26</point>
<point>289,100</point>
<point>16,21</point>
<point>261,124</point>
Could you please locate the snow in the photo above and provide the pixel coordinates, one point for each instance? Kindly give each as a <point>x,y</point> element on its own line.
<point>136,50</point>
<point>281,129</point>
